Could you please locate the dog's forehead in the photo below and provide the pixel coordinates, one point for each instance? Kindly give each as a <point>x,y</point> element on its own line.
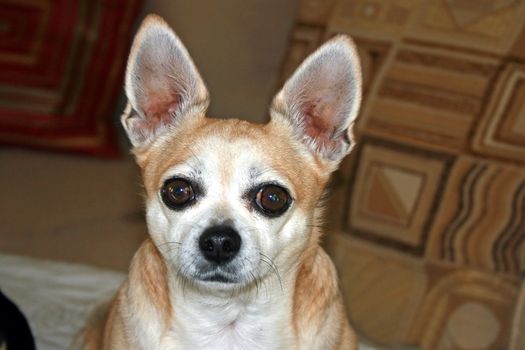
<point>234,148</point>
<point>221,152</point>
<point>232,158</point>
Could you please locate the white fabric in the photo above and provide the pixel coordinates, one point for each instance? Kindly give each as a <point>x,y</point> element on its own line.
<point>55,297</point>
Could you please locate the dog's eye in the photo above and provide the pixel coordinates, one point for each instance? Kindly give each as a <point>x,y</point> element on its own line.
<point>177,193</point>
<point>272,200</point>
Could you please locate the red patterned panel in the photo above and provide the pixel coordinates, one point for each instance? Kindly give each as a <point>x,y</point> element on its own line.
<point>61,65</point>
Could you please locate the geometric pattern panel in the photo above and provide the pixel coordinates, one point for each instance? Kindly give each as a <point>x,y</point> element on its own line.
<point>481,219</point>
<point>501,131</point>
<point>464,309</point>
<point>395,299</point>
<point>417,103</point>
<point>432,211</point>
<point>395,193</point>
<point>61,65</point>
<point>485,25</point>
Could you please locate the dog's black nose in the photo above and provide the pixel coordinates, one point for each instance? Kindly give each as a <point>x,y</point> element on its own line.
<point>220,243</point>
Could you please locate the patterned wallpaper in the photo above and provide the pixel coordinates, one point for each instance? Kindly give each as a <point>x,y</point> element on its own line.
<point>430,208</point>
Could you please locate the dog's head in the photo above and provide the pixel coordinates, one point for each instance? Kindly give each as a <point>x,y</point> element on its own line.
<point>228,200</point>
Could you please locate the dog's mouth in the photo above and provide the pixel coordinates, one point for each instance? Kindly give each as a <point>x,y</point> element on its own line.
<point>218,274</point>
<point>218,278</point>
<point>234,274</point>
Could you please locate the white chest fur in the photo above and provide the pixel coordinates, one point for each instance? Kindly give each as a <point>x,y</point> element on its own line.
<point>230,323</point>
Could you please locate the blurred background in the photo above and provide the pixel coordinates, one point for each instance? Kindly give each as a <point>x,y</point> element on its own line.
<point>426,217</point>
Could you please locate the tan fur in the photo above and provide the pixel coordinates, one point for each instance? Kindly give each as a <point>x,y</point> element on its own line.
<point>316,290</point>
<point>107,329</point>
<point>315,315</point>
<point>309,178</point>
<point>316,294</point>
<point>152,272</point>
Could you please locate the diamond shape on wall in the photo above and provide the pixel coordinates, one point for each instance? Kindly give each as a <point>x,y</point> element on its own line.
<point>395,193</point>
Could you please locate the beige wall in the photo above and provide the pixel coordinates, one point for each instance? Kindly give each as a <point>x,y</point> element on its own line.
<point>238,46</point>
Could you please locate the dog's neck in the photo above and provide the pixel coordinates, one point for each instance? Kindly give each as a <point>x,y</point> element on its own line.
<point>256,317</point>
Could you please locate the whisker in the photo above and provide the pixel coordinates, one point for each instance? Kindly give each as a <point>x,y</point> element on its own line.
<point>256,281</point>
<point>268,261</point>
<point>168,247</point>
<point>185,269</point>
<point>253,278</point>
<point>168,242</point>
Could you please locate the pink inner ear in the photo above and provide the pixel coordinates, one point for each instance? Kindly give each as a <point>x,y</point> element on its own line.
<point>320,122</point>
<point>160,107</point>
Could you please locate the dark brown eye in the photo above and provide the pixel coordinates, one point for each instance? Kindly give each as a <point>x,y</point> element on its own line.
<point>177,193</point>
<point>272,200</point>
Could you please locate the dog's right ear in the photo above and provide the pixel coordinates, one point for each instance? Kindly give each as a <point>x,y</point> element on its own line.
<point>162,84</point>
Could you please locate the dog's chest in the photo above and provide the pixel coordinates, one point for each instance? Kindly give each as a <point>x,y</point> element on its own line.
<point>235,326</point>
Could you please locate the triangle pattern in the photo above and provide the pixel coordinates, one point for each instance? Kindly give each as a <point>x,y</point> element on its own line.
<point>379,199</point>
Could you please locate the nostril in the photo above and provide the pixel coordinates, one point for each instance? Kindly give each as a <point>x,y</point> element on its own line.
<point>227,246</point>
<point>231,244</point>
<point>208,245</point>
<point>220,243</point>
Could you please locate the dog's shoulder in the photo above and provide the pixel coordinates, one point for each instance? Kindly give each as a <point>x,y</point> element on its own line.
<point>95,335</point>
<point>318,304</point>
<point>144,297</point>
<point>148,278</point>
<point>315,286</point>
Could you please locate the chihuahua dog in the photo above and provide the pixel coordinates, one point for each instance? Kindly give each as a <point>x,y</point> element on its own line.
<point>233,209</point>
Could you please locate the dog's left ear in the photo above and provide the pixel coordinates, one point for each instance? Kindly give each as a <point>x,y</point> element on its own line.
<point>163,85</point>
<point>322,98</point>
